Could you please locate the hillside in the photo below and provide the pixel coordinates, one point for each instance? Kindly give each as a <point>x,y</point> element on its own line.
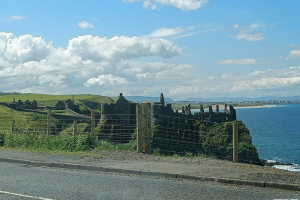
<point>85,101</point>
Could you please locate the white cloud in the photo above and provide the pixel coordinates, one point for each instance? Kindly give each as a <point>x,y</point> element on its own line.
<point>247,35</point>
<point>254,26</point>
<point>120,47</point>
<point>292,45</point>
<point>30,64</point>
<point>277,82</point>
<point>266,83</point>
<point>236,26</point>
<point>24,48</point>
<point>174,33</point>
<point>294,54</point>
<point>85,24</point>
<point>13,17</point>
<point>149,5</point>
<point>51,80</point>
<point>185,5</point>
<point>106,79</point>
<point>184,90</point>
<point>165,32</point>
<point>245,61</point>
<point>269,79</point>
<point>16,17</point>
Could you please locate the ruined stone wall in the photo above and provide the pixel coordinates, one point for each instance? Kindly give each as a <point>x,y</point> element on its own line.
<point>125,111</point>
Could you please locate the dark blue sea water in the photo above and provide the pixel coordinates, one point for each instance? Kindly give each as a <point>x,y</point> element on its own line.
<point>275,132</point>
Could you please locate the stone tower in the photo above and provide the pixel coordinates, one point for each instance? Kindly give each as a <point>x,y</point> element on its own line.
<point>162,99</point>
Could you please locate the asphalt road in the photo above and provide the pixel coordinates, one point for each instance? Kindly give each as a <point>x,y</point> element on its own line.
<point>26,182</point>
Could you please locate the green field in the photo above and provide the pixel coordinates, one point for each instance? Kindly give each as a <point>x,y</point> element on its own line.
<point>24,121</point>
<point>30,121</point>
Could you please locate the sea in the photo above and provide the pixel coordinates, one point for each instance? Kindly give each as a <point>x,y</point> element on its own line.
<point>275,131</point>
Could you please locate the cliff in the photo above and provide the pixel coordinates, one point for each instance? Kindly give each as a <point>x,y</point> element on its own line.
<point>205,139</point>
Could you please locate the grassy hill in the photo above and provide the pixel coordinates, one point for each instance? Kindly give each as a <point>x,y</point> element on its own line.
<point>31,121</point>
<point>85,101</point>
<point>24,121</point>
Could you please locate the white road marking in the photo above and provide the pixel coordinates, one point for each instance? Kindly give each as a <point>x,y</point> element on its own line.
<point>22,195</point>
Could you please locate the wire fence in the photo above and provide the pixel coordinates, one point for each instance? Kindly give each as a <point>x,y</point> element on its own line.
<point>117,128</point>
<point>165,135</point>
<point>187,137</point>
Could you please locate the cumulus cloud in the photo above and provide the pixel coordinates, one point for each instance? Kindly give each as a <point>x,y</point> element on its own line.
<point>24,48</point>
<point>266,83</point>
<point>294,54</point>
<point>51,80</point>
<point>85,24</point>
<point>268,79</point>
<point>113,65</point>
<point>245,61</point>
<point>158,71</point>
<point>121,47</point>
<point>185,5</point>
<point>29,63</point>
<point>105,79</point>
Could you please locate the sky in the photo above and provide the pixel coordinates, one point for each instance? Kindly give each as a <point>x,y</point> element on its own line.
<point>182,48</point>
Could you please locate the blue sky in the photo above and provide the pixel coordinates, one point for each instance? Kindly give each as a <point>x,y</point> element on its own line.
<point>183,48</point>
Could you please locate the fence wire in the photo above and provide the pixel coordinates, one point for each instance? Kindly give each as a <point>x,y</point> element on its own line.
<point>186,137</point>
<point>169,136</point>
<point>114,128</point>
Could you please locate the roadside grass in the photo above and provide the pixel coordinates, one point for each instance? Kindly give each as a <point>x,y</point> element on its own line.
<point>80,144</point>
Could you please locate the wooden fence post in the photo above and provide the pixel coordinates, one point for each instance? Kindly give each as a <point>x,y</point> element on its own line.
<point>149,133</point>
<point>13,126</point>
<point>93,126</point>
<point>235,141</point>
<point>139,129</point>
<point>146,126</point>
<point>49,123</point>
<point>74,127</point>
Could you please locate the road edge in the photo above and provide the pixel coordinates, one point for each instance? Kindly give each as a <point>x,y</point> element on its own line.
<point>156,174</point>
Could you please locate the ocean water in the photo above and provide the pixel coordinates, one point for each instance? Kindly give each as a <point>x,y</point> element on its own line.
<point>275,132</point>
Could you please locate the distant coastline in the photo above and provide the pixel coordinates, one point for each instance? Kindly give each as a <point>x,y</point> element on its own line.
<point>222,106</point>
<point>238,107</point>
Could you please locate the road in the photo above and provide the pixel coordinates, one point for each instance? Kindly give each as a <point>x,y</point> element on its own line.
<point>27,182</point>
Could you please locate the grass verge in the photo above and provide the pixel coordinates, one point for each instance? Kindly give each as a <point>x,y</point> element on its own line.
<point>80,144</point>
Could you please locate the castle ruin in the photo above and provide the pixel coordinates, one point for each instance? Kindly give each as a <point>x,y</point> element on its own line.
<point>126,112</point>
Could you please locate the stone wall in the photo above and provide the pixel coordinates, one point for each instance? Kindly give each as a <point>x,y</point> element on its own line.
<point>160,111</point>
